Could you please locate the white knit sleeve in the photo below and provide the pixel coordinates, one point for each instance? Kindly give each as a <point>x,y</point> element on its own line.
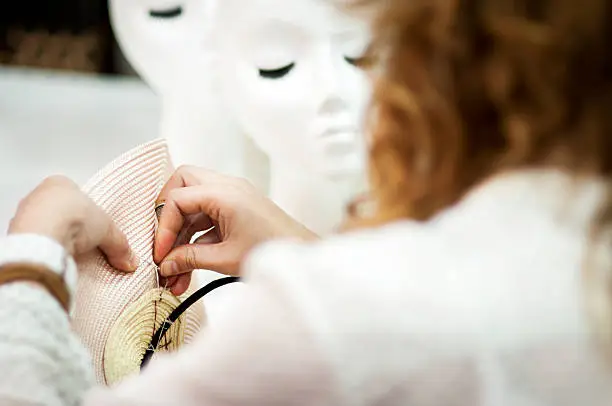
<point>42,361</point>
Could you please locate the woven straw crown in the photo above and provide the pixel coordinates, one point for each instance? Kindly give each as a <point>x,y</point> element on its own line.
<point>116,313</point>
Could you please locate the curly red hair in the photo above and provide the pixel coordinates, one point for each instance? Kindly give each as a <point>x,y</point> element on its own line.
<point>467,88</point>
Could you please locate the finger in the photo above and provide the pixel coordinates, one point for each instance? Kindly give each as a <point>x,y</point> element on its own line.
<point>115,246</point>
<point>186,176</point>
<point>215,257</point>
<point>181,284</point>
<point>175,181</point>
<point>210,237</point>
<point>179,204</point>
<point>194,224</point>
<point>169,226</point>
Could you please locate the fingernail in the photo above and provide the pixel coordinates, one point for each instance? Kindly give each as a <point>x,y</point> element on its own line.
<point>169,268</point>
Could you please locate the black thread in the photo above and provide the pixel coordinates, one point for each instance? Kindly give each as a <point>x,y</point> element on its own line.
<point>180,309</point>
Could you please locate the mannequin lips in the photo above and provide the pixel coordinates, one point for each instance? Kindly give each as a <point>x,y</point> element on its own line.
<point>333,132</point>
<point>339,141</point>
<point>340,148</point>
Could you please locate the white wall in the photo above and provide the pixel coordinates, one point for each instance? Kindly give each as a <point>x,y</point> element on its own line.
<point>65,123</point>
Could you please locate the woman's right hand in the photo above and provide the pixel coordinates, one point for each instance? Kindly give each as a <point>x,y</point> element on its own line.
<point>197,199</point>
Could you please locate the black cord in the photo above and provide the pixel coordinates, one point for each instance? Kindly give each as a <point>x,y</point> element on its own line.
<point>180,309</point>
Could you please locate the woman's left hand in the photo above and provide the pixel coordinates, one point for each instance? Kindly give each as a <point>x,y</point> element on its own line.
<point>58,209</point>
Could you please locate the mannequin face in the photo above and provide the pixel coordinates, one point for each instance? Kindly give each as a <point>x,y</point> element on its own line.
<point>287,71</point>
<point>162,39</point>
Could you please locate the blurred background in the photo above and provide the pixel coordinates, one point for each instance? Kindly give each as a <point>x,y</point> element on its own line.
<point>70,35</point>
<point>69,102</point>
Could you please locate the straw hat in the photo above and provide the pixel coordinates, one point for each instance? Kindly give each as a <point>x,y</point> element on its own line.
<point>116,314</point>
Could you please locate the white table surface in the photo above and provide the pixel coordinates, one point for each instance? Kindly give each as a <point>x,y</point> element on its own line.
<point>58,123</point>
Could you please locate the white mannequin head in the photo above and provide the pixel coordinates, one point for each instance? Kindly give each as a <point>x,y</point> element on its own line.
<point>286,70</point>
<point>165,42</point>
<point>162,40</point>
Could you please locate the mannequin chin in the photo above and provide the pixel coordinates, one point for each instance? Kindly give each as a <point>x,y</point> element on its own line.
<point>166,43</point>
<point>286,69</point>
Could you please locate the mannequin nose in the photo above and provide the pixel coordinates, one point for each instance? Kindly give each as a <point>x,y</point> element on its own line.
<point>333,103</point>
<point>333,97</point>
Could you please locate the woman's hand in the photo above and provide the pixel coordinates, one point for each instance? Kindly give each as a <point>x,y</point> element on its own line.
<point>57,208</point>
<point>196,200</point>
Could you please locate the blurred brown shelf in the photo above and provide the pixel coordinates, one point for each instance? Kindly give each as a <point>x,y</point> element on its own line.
<point>70,35</point>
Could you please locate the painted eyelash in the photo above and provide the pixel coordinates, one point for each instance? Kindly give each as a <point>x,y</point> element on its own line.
<point>276,73</point>
<point>353,61</point>
<point>167,13</point>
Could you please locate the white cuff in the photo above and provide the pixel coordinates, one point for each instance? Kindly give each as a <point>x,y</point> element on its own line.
<point>40,250</point>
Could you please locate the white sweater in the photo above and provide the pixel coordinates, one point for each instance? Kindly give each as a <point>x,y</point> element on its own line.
<point>480,306</point>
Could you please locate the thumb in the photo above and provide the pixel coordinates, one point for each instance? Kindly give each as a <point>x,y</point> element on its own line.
<point>115,246</point>
<point>219,257</point>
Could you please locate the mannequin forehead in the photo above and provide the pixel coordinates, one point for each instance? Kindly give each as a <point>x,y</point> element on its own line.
<point>320,16</point>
